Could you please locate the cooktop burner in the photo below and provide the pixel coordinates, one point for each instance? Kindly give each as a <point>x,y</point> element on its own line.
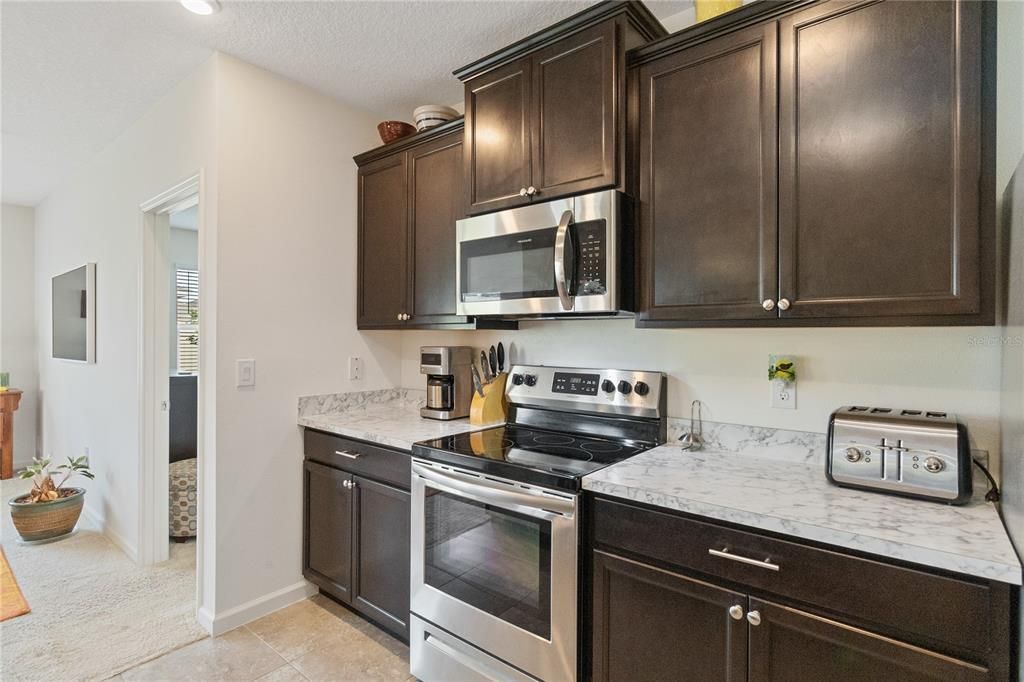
<point>513,451</point>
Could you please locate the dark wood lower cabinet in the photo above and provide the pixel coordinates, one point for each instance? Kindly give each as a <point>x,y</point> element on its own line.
<point>788,644</point>
<point>663,607</point>
<point>380,553</point>
<point>327,517</point>
<point>650,624</point>
<point>356,527</point>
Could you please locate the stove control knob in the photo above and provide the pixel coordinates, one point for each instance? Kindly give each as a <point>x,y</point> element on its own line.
<point>853,455</point>
<point>625,388</point>
<point>607,386</point>
<point>933,465</point>
<point>531,379</point>
<point>517,379</point>
<point>641,388</point>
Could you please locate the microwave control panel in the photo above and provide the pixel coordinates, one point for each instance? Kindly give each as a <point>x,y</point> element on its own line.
<point>592,258</point>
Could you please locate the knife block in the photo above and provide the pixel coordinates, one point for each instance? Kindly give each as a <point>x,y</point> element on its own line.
<point>491,407</point>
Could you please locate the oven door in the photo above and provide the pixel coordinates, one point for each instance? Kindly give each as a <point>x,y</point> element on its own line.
<point>554,258</point>
<point>494,563</point>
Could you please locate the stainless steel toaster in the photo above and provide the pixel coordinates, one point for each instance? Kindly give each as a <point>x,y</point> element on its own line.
<point>915,453</point>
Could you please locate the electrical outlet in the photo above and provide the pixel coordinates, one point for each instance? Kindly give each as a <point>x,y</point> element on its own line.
<point>355,368</point>
<point>783,394</point>
<point>245,373</point>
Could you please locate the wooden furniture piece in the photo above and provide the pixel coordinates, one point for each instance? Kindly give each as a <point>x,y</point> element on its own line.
<point>546,117</point>
<point>356,526</point>
<point>884,180</point>
<point>9,400</point>
<point>410,195</point>
<point>823,614</point>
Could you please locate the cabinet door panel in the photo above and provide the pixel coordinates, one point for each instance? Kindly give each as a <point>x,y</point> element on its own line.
<point>651,624</point>
<point>437,201</point>
<point>575,117</point>
<point>880,159</point>
<point>382,242</point>
<point>381,554</point>
<point>497,154</point>
<point>708,179</point>
<point>793,645</point>
<point>327,521</point>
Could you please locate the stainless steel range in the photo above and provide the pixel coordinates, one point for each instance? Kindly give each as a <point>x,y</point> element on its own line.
<point>496,523</point>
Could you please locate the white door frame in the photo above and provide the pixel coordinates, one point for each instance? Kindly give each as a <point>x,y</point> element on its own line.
<point>154,371</point>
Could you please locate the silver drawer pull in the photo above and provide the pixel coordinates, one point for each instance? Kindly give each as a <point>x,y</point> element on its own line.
<point>724,554</point>
<point>350,455</point>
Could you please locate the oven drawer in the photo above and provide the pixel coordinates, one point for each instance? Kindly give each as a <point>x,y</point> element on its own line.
<point>943,612</point>
<point>359,457</point>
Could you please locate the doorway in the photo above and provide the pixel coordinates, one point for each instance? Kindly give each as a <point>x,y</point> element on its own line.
<point>173,347</point>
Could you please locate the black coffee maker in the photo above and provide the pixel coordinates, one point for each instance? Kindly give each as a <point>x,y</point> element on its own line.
<point>449,381</point>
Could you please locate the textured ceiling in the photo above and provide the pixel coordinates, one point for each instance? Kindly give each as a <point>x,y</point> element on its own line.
<point>76,74</point>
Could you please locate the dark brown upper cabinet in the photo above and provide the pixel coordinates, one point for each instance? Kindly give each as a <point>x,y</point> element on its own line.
<point>410,195</point>
<point>545,117</point>
<point>382,242</point>
<point>864,197</point>
<point>498,120</point>
<point>708,179</point>
<point>880,164</point>
<point>435,203</point>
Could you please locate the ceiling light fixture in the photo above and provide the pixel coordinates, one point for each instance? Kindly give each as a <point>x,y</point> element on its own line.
<point>203,7</point>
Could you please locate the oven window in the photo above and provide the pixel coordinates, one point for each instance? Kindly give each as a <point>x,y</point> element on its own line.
<point>491,558</point>
<point>518,265</point>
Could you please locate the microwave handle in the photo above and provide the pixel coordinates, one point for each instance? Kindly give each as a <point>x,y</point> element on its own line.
<point>564,247</point>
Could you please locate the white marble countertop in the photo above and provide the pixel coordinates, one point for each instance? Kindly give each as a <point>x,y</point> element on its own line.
<point>392,420</point>
<point>796,500</point>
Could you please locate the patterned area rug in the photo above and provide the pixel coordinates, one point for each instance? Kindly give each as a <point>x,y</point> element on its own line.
<point>12,601</point>
<point>94,612</point>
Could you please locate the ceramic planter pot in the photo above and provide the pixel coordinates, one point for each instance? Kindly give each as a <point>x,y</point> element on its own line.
<point>47,520</point>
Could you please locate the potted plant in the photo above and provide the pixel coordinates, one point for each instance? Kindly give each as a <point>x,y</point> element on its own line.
<point>49,510</point>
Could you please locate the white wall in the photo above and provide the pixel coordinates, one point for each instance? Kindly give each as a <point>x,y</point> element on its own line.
<point>932,368</point>
<point>183,252</point>
<point>286,281</point>
<point>1009,161</point>
<point>95,216</point>
<point>18,322</point>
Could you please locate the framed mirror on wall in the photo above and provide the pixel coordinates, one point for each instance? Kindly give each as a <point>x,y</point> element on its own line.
<point>74,314</point>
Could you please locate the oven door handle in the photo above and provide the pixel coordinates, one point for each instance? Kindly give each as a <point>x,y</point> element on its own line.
<point>540,506</point>
<point>564,247</point>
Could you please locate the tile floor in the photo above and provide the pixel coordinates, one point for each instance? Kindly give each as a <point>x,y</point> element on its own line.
<point>315,639</point>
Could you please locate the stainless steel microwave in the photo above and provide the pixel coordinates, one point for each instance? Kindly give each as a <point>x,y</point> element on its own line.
<point>558,258</point>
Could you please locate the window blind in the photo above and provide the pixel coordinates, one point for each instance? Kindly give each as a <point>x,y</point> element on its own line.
<point>186,314</point>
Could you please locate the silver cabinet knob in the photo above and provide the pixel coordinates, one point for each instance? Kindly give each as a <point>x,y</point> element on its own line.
<point>754,618</point>
<point>531,190</point>
<point>736,612</point>
<point>853,455</point>
<point>768,304</point>
<point>933,465</point>
<point>523,192</point>
<point>398,317</point>
<point>783,304</point>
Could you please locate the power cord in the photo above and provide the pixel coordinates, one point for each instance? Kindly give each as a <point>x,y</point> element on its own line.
<point>993,492</point>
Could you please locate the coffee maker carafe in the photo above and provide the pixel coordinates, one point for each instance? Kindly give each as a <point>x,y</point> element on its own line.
<point>449,381</point>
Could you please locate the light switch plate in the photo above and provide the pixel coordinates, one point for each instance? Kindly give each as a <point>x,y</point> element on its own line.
<point>245,373</point>
<point>355,368</point>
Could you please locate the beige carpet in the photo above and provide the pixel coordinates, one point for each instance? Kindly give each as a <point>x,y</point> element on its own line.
<point>94,612</point>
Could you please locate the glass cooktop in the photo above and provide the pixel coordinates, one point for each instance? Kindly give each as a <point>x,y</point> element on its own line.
<point>528,454</point>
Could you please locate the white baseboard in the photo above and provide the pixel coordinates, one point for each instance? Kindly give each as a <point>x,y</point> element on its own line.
<point>218,624</point>
<point>101,525</point>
